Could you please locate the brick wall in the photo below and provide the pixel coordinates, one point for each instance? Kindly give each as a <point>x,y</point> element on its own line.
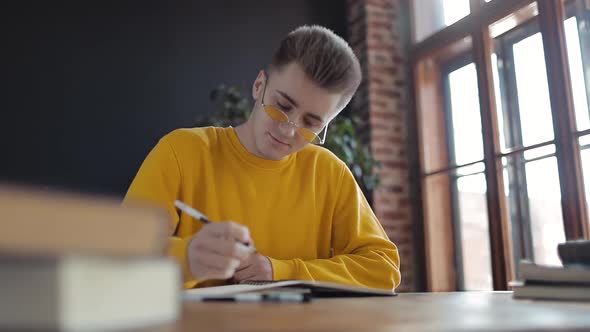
<point>376,35</point>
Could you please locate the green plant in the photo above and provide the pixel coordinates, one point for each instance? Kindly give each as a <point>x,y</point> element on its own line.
<point>342,139</point>
<point>232,107</point>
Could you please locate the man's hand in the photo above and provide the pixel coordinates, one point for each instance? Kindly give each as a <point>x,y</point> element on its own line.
<point>256,267</point>
<point>217,250</point>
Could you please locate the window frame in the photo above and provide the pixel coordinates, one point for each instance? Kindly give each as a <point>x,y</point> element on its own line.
<point>476,26</point>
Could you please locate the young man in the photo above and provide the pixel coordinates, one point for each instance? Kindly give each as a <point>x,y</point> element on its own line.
<point>294,201</point>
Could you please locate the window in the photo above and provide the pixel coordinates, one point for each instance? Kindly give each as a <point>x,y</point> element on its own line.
<point>494,167</point>
<point>533,196</point>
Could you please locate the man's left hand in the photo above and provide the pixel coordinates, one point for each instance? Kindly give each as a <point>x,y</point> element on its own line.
<point>256,267</point>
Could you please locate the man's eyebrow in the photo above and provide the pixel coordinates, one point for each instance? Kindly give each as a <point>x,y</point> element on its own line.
<point>294,103</point>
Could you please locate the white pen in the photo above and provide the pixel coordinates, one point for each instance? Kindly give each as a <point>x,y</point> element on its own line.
<point>191,211</point>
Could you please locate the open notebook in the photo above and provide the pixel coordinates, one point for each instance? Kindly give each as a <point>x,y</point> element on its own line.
<point>317,289</point>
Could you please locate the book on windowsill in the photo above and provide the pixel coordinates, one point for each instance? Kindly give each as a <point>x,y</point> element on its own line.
<point>317,289</point>
<point>553,282</point>
<point>86,293</point>
<point>552,292</point>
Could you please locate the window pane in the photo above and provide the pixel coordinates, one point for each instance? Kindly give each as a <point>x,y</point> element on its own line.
<point>431,16</point>
<point>577,73</point>
<point>455,10</point>
<point>539,152</point>
<point>532,91</point>
<point>585,145</point>
<point>472,221</point>
<point>535,206</point>
<point>545,208</point>
<point>466,120</point>
<point>496,66</point>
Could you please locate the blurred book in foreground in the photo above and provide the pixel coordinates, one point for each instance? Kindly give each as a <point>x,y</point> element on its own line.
<point>83,293</point>
<point>83,263</point>
<point>34,221</point>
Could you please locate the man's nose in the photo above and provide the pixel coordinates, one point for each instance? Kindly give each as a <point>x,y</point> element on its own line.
<point>288,129</point>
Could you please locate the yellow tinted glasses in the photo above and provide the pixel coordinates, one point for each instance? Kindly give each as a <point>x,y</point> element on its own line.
<point>282,118</point>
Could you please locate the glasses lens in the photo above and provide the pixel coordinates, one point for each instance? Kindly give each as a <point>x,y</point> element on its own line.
<point>309,135</point>
<point>275,114</point>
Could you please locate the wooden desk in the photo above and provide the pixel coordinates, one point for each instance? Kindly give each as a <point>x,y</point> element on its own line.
<point>467,311</point>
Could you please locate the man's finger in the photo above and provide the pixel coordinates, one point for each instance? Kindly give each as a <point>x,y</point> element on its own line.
<point>224,247</point>
<point>202,271</point>
<point>244,274</point>
<point>230,230</point>
<point>216,261</point>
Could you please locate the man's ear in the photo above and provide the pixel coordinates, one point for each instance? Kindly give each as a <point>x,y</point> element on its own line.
<point>258,85</point>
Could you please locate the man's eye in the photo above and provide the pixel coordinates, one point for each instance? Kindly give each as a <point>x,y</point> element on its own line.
<point>310,124</point>
<point>285,108</point>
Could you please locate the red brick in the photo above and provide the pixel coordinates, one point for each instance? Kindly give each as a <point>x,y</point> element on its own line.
<point>387,93</point>
<point>384,150</point>
<point>387,26</point>
<point>373,45</point>
<point>404,201</point>
<point>396,164</point>
<point>388,139</point>
<point>382,4</point>
<point>377,80</point>
<point>390,70</point>
<point>400,228</point>
<point>400,239</point>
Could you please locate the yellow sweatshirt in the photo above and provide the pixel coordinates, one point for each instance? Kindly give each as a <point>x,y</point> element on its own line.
<point>305,212</point>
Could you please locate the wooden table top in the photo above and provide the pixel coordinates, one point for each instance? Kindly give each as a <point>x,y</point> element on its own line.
<point>461,311</point>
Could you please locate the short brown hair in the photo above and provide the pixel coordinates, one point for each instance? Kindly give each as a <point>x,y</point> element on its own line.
<point>325,57</point>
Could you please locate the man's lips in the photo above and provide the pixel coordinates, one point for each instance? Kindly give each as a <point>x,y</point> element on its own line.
<point>278,140</point>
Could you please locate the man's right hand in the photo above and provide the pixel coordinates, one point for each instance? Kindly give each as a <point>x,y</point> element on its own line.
<point>217,250</point>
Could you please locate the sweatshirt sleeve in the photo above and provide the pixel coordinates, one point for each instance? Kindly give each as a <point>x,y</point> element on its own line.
<point>364,256</point>
<point>158,181</point>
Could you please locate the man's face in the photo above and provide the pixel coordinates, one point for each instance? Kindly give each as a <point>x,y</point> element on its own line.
<point>306,105</point>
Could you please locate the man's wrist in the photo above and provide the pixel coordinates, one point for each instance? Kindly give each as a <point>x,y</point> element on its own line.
<point>282,269</point>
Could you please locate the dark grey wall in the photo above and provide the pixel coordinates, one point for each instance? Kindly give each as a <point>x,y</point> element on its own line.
<point>88,87</point>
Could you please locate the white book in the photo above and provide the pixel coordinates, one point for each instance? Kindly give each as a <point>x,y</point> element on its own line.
<point>554,274</point>
<point>317,289</point>
<point>550,292</point>
<point>86,293</point>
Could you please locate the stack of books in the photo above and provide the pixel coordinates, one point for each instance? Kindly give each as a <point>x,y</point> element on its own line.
<point>78,263</point>
<point>569,283</point>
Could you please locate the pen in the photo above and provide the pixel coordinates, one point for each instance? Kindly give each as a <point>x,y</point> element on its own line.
<point>191,211</point>
<point>283,297</point>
